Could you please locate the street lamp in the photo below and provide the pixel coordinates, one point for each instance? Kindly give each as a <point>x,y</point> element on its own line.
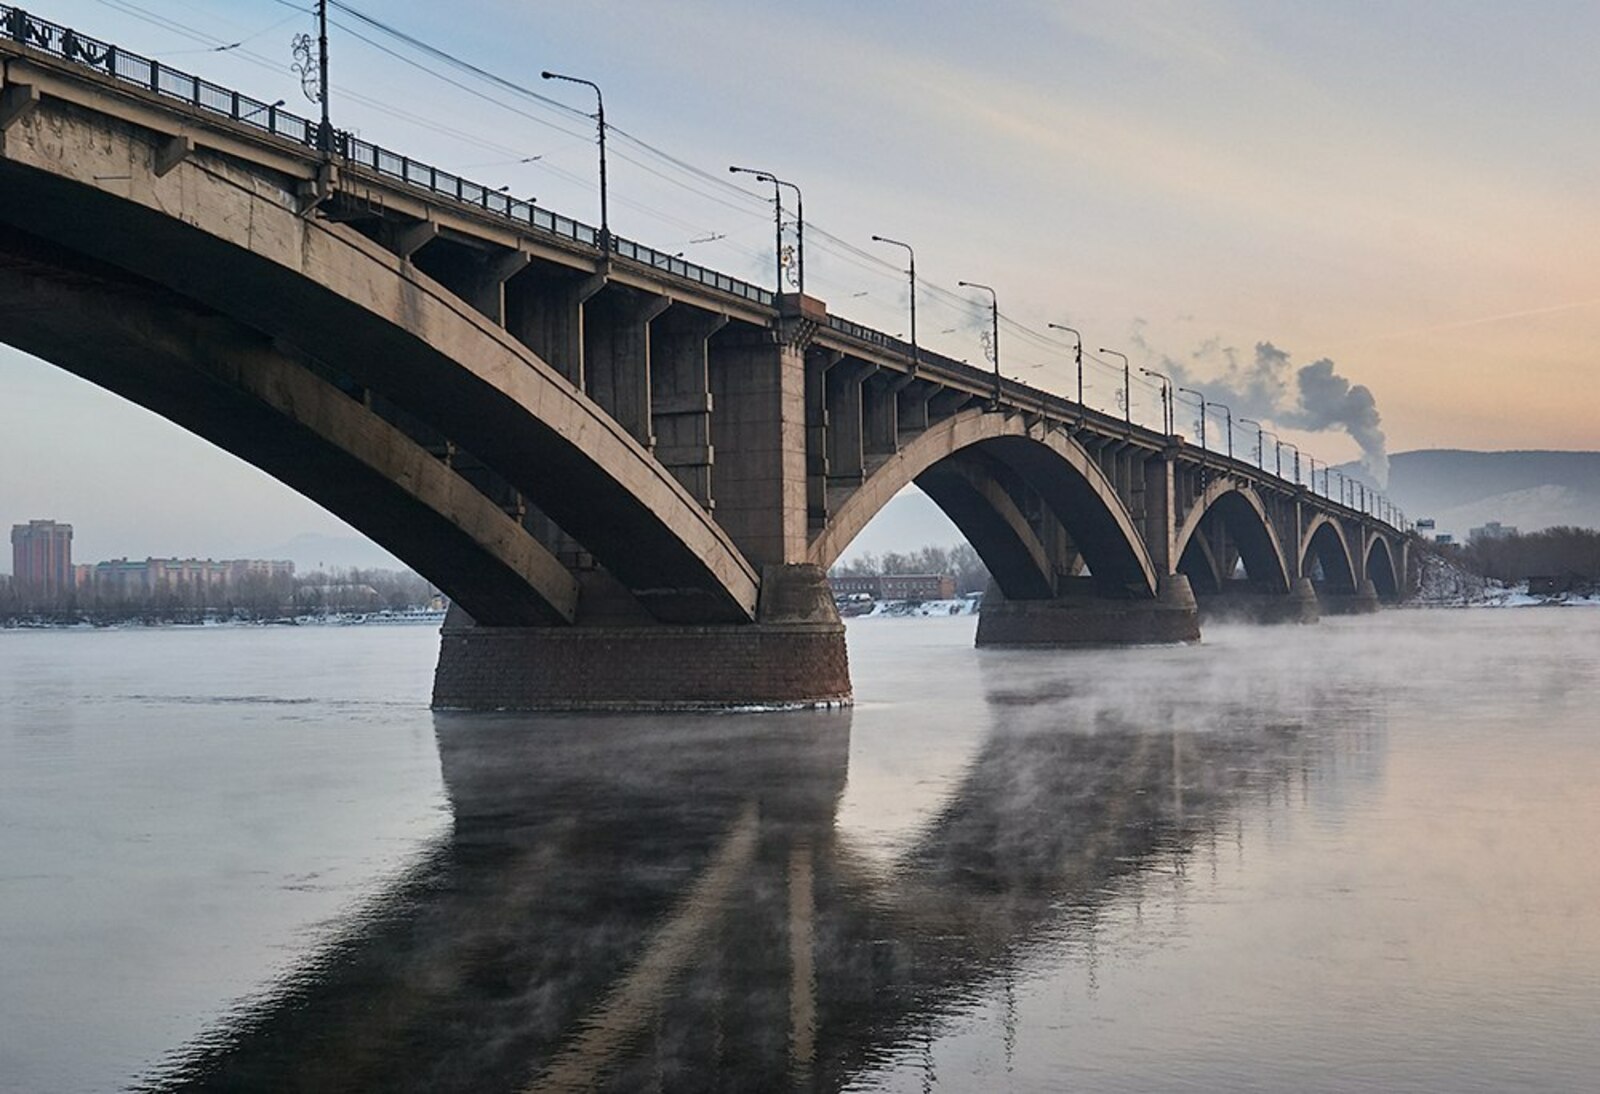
<point>1202,398</point>
<point>1313,475</point>
<point>1296,448</point>
<point>1341,486</point>
<point>994,343</point>
<point>1166,397</point>
<point>916,355</point>
<point>799,224</point>
<point>1227,413</point>
<point>1127,385</point>
<point>600,118</point>
<point>1261,444</point>
<point>1077,358</point>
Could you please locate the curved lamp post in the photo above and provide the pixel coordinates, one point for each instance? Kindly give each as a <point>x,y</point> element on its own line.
<point>1202,398</point>
<point>1127,385</point>
<point>1077,359</point>
<point>799,225</point>
<point>916,354</point>
<point>600,118</point>
<point>994,344</point>
<point>1261,443</point>
<point>1166,397</point>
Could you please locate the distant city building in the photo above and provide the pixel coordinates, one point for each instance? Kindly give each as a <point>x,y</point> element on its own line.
<point>1492,530</point>
<point>895,586</point>
<point>1424,524</point>
<point>137,579</point>
<point>41,559</point>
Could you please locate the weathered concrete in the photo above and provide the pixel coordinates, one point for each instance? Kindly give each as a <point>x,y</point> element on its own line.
<point>793,655</point>
<point>1081,618</point>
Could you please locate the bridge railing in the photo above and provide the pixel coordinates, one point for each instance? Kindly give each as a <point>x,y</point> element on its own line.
<point>156,78</point>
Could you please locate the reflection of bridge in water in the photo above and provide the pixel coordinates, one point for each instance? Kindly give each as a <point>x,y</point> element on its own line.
<point>620,907</point>
<point>628,471</point>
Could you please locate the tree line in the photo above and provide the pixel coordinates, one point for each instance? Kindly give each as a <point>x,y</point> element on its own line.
<point>1554,552</point>
<point>251,597</point>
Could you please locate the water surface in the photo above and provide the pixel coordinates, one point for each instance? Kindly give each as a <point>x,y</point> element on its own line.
<point>1346,857</point>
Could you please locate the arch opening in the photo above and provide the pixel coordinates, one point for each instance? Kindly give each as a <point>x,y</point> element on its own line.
<point>1327,560</point>
<point>1382,570</point>
<point>1029,501</point>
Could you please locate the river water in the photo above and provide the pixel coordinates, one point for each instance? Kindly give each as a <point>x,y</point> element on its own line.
<point>1351,857</point>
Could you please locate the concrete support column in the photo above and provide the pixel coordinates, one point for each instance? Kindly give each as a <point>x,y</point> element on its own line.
<point>616,356</point>
<point>545,313</point>
<point>846,426</point>
<point>818,362</point>
<point>943,404</point>
<point>758,425</point>
<point>479,278</point>
<point>680,396</point>
<point>880,415</point>
<point>1159,522</point>
<point>912,412</point>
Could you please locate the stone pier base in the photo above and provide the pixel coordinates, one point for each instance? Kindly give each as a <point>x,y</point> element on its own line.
<point>792,656</point>
<point>1079,620</point>
<point>1298,605</point>
<point>1363,601</point>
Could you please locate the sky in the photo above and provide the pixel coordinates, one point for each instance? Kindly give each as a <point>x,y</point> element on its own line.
<point>1371,225</point>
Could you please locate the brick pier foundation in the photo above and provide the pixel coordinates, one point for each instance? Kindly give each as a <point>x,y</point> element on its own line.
<point>1363,601</point>
<point>1078,620</point>
<point>1298,605</point>
<point>792,656</point>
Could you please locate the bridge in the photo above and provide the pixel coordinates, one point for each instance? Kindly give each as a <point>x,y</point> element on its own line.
<point>629,472</point>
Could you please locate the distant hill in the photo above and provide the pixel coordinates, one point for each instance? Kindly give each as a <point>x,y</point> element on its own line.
<point>1462,490</point>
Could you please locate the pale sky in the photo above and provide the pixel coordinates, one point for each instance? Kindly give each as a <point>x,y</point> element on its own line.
<point>1407,189</point>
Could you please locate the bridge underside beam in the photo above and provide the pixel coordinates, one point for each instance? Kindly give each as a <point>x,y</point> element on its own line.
<point>230,386</point>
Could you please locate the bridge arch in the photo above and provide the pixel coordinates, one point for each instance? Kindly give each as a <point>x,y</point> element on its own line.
<point>205,248</point>
<point>1067,479</point>
<point>1382,567</point>
<point>1241,510</point>
<point>1323,542</point>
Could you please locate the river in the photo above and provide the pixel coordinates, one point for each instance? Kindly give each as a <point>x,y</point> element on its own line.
<point>1350,857</point>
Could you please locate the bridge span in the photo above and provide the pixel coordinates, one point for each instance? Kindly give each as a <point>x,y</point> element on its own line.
<point>628,472</point>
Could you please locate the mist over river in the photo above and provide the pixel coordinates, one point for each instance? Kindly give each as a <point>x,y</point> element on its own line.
<point>1350,857</point>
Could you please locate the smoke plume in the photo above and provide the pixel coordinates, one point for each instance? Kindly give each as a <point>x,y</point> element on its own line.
<point>1267,386</point>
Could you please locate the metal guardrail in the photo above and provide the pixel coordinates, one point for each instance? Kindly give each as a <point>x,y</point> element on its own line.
<point>167,82</point>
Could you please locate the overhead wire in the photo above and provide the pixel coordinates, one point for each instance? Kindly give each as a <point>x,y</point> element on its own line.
<point>706,185</point>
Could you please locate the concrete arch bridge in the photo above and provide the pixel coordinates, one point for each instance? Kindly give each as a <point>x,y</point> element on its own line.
<point>628,472</point>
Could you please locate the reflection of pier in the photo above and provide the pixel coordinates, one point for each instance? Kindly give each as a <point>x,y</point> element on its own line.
<point>623,907</point>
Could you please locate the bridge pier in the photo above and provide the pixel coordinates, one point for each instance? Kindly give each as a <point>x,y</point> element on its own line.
<point>1364,601</point>
<point>1298,605</point>
<point>1082,617</point>
<point>616,659</point>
